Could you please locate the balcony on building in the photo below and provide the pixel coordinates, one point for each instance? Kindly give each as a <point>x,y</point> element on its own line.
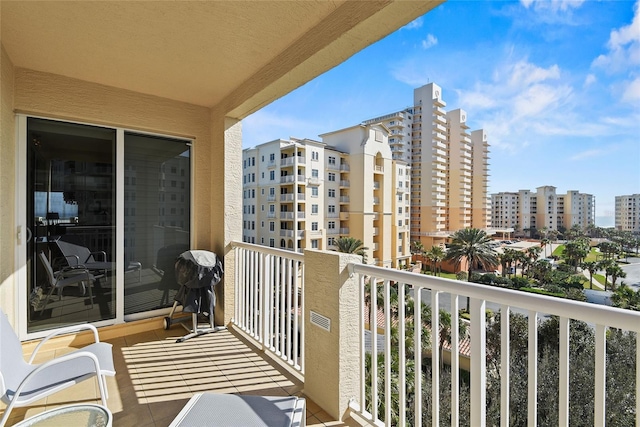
<point>274,301</point>
<point>290,161</point>
<point>287,215</point>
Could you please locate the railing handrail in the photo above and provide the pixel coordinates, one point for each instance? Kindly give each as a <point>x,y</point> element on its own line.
<point>578,310</point>
<point>268,250</point>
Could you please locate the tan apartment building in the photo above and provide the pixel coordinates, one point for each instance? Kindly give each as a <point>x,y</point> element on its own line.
<point>526,210</point>
<point>302,193</point>
<point>449,166</point>
<point>628,213</point>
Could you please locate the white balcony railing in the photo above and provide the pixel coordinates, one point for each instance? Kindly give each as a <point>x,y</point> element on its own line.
<point>269,298</point>
<point>432,291</point>
<point>270,309</point>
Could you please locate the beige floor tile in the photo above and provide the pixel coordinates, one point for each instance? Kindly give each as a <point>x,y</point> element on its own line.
<point>312,407</point>
<point>135,415</point>
<point>162,410</point>
<point>261,390</point>
<point>165,421</point>
<point>19,414</point>
<point>156,376</point>
<point>213,388</point>
<point>87,389</point>
<point>325,418</point>
<point>313,421</point>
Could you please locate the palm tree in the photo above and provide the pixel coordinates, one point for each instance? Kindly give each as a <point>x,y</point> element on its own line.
<point>591,267</point>
<point>616,272</point>
<point>507,259</point>
<point>445,331</point>
<point>472,245</point>
<point>545,242</point>
<point>606,265</point>
<point>435,256</point>
<point>351,245</point>
<point>418,248</point>
<point>575,251</point>
<point>532,253</point>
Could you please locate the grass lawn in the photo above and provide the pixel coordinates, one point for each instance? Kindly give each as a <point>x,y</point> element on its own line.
<point>593,255</point>
<point>558,251</point>
<point>599,278</point>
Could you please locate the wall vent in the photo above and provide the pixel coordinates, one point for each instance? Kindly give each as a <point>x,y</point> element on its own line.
<point>320,321</point>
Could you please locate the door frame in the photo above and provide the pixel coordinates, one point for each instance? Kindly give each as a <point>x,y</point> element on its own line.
<point>23,234</point>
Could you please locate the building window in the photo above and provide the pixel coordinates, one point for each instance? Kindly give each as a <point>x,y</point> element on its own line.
<point>314,244</point>
<point>272,243</point>
<point>331,225</point>
<point>314,173</point>
<point>314,209</point>
<point>272,157</point>
<point>332,192</point>
<point>314,155</point>
<point>331,209</point>
<point>272,175</point>
<point>314,191</point>
<point>332,176</point>
<point>332,160</point>
<point>314,226</point>
<point>272,226</point>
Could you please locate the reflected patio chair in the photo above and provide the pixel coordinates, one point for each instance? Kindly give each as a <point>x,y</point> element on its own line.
<point>96,262</point>
<point>22,383</point>
<point>66,277</point>
<point>80,256</point>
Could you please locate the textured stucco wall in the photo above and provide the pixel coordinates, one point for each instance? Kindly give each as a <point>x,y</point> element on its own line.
<point>56,96</point>
<point>7,185</point>
<point>332,370</point>
<point>227,225</point>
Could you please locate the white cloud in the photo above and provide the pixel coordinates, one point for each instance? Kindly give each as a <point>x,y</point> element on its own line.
<point>523,74</point>
<point>589,80</point>
<point>586,154</point>
<point>623,46</point>
<point>552,5</point>
<point>415,24</point>
<point>539,98</point>
<point>430,41</point>
<point>631,93</point>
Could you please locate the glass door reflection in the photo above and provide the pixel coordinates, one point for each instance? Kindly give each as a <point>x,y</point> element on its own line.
<point>71,213</point>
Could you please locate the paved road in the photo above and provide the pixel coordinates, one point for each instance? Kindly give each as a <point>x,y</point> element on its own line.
<point>633,273</point>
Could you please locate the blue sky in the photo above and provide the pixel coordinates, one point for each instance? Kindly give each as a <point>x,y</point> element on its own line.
<point>555,83</point>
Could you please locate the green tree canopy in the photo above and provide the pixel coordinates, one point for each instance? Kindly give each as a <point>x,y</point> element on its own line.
<point>472,244</point>
<point>351,245</point>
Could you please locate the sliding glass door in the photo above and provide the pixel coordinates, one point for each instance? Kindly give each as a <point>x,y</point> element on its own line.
<point>157,191</point>
<point>71,214</point>
<point>76,270</point>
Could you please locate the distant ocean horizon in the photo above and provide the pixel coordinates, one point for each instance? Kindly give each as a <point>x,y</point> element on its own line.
<point>605,221</point>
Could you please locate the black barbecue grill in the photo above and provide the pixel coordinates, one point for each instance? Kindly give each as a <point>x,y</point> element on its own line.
<point>197,273</point>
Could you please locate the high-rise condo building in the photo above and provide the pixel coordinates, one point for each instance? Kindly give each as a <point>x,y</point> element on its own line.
<point>628,213</point>
<point>449,166</point>
<point>525,210</point>
<point>301,193</point>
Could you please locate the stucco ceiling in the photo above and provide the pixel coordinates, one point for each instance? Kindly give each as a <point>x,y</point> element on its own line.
<point>202,52</point>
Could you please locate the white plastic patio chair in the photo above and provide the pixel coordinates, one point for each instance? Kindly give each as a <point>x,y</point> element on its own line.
<point>22,383</point>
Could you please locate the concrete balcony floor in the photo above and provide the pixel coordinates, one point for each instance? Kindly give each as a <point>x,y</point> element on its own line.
<point>155,377</point>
